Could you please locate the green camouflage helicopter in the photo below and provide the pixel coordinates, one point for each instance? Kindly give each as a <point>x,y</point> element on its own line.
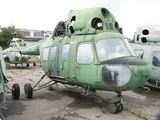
<point>12,54</point>
<point>15,90</point>
<point>146,44</point>
<point>88,51</point>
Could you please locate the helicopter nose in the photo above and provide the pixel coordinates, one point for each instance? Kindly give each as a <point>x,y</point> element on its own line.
<point>140,75</point>
<point>126,74</point>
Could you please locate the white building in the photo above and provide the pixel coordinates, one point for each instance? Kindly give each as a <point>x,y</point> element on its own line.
<point>32,36</point>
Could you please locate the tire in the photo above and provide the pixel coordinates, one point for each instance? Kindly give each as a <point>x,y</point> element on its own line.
<point>27,64</point>
<point>15,91</point>
<point>113,108</point>
<point>120,107</point>
<point>28,90</point>
<point>34,64</point>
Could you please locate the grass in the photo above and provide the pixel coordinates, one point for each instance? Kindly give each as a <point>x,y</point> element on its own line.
<point>12,71</point>
<point>29,68</point>
<point>33,71</point>
<point>31,80</point>
<point>51,87</point>
<point>138,114</point>
<point>9,77</point>
<point>99,96</point>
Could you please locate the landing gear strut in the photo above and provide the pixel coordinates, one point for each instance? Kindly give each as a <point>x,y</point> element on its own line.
<point>116,106</point>
<point>28,89</point>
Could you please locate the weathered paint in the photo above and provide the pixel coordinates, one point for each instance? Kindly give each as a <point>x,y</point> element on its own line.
<point>88,26</point>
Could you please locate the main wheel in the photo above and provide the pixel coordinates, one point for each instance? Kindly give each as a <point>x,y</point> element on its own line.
<point>34,64</point>
<point>27,64</point>
<point>15,91</point>
<point>120,107</point>
<point>28,90</point>
<point>113,108</point>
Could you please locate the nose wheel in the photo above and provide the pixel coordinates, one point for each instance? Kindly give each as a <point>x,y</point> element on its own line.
<point>116,106</point>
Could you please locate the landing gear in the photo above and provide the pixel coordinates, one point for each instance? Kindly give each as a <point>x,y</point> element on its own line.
<point>27,64</point>
<point>116,106</point>
<point>28,90</point>
<point>34,64</point>
<point>113,108</point>
<point>21,65</point>
<point>15,91</point>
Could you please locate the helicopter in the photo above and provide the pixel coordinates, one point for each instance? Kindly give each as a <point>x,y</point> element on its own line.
<point>12,54</point>
<point>88,50</point>
<point>4,88</point>
<point>146,44</point>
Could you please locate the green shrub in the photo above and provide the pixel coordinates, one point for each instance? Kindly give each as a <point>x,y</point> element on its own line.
<point>51,87</point>
<point>7,65</point>
<point>35,57</point>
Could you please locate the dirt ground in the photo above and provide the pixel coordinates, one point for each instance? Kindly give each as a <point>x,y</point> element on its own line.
<point>69,104</point>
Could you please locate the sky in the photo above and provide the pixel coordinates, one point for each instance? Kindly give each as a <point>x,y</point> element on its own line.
<point>45,14</point>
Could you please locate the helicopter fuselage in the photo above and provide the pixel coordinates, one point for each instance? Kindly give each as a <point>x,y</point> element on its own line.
<point>101,61</point>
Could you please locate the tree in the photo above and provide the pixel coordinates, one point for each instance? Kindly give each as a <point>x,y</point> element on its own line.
<point>6,35</point>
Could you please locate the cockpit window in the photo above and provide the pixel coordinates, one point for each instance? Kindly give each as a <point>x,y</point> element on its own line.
<point>111,48</point>
<point>129,47</point>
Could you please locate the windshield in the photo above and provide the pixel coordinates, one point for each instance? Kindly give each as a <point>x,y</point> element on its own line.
<point>129,47</point>
<point>111,48</point>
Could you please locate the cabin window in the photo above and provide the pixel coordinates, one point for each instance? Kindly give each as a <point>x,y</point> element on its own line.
<point>156,60</point>
<point>65,52</point>
<point>140,53</point>
<point>45,53</point>
<point>53,53</point>
<point>111,48</point>
<point>85,54</point>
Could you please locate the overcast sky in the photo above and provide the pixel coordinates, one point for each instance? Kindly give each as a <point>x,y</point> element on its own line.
<point>45,14</point>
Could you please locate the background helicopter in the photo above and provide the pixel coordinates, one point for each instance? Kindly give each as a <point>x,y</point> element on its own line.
<point>15,90</point>
<point>146,44</point>
<point>12,54</point>
<point>88,51</point>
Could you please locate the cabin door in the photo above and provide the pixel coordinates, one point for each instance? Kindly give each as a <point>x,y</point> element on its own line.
<point>85,64</point>
<point>53,60</point>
